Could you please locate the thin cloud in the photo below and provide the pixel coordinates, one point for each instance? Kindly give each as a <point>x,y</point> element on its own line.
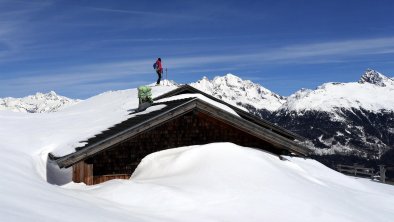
<point>340,48</point>
<point>147,13</point>
<point>326,52</point>
<point>158,39</point>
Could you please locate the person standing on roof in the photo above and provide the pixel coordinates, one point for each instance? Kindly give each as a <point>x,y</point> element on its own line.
<point>159,70</point>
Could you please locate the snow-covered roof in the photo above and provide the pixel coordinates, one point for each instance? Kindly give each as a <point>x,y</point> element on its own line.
<point>166,108</point>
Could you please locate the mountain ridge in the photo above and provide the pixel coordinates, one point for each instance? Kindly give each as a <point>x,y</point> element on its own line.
<point>37,103</point>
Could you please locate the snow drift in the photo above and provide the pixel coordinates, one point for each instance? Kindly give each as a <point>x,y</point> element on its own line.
<point>226,182</point>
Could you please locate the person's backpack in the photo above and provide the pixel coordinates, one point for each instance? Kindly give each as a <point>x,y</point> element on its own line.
<point>154,65</point>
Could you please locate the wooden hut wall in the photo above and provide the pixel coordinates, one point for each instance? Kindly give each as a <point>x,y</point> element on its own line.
<point>83,172</point>
<point>193,128</point>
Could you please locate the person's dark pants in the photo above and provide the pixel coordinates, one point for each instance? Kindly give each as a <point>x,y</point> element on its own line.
<point>158,80</point>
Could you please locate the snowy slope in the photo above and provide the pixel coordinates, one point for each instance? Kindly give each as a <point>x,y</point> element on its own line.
<point>38,103</point>
<point>234,90</point>
<point>374,92</point>
<point>198,183</point>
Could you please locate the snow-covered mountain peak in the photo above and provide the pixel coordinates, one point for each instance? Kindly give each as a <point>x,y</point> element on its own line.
<point>37,103</point>
<point>50,95</point>
<point>234,90</point>
<point>377,95</point>
<point>229,80</point>
<point>376,78</point>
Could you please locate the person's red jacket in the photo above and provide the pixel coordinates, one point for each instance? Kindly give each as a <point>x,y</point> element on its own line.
<point>159,67</point>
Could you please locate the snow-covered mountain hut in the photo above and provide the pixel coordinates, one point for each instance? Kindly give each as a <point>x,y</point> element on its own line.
<point>182,117</point>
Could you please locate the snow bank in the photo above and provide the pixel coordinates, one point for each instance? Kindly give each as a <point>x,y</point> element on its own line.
<point>226,182</point>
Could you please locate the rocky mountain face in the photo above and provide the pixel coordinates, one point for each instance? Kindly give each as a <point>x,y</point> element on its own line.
<point>376,78</point>
<point>343,122</point>
<point>38,103</point>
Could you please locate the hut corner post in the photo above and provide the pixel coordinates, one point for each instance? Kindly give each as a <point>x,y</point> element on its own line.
<point>83,173</point>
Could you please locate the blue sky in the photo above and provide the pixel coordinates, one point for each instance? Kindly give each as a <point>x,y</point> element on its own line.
<point>82,48</point>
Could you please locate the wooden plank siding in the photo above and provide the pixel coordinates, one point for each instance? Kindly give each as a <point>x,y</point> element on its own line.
<point>83,173</point>
<point>192,128</point>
